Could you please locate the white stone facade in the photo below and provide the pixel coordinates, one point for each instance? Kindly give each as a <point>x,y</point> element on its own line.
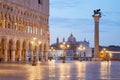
<point>24,26</point>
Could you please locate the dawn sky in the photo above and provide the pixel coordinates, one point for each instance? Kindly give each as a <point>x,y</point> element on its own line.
<point>75,16</point>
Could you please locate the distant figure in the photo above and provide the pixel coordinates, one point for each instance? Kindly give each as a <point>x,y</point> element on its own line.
<point>97,11</point>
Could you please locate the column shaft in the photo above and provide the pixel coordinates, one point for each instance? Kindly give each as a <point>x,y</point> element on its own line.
<point>6,58</point>
<point>31,55</point>
<point>20,56</point>
<point>13,55</point>
<point>26,54</point>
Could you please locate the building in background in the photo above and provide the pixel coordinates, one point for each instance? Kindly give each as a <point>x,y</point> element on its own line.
<point>75,49</point>
<point>24,27</point>
<point>112,51</point>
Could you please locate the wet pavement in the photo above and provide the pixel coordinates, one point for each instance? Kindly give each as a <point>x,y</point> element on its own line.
<point>56,70</point>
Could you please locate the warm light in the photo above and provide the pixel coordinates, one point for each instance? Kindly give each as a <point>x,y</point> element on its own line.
<point>68,46</point>
<point>35,42</point>
<point>81,48</point>
<point>110,54</point>
<point>15,23</point>
<point>32,42</point>
<point>39,42</point>
<point>64,45</point>
<point>104,49</point>
<point>34,38</point>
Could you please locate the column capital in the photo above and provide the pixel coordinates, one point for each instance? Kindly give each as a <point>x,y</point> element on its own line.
<point>96,18</point>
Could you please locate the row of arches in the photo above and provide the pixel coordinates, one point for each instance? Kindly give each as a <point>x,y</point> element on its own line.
<point>12,49</point>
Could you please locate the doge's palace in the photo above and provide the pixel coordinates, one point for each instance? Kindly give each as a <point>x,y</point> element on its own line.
<point>24,30</point>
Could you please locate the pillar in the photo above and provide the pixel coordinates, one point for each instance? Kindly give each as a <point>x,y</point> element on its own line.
<point>46,52</point>
<point>26,54</point>
<point>42,55</point>
<point>20,56</point>
<point>3,18</point>
<point>6,24</point>
<point>6,56</point>
<point>5,47</point>
<point>96,17</point>
<point>37,56</point>
<point>13,55</point>
<point>46,56</point>
<point>31,55</point>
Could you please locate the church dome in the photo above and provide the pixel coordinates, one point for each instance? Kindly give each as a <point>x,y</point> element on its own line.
<point>71,38</point>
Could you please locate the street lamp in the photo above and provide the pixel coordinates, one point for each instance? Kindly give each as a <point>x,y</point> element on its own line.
<point>81,49</point>
<point>51,50</point>
<point>104,54</point>
<point>35,44</point>
<point>64,46</point>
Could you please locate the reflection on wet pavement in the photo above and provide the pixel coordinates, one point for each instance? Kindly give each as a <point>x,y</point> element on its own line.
<point>73,70</point>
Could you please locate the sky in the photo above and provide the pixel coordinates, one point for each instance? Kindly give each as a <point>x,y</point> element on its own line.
<point>75,16</point>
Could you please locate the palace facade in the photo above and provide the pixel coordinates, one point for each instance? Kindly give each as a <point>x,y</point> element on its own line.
<point>24,30</point>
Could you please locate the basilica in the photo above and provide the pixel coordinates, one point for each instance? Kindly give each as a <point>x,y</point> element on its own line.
<point>73,48</point>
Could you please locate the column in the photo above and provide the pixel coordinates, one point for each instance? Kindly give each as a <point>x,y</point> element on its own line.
<point>42,53</point>
<point>5,54</point>
<point>42,56</point>
<point>11,20</point>
<point>3,18</point>
<point>96,36</point>
<point>31,55</point>
<point>37,56</point>
<point>26,54</point>
<point>13,55</point>
<point>20,56</point>
<point>46,53</point>
<point>6,24</point>
<point>46,56</point>
<point>5,50</point>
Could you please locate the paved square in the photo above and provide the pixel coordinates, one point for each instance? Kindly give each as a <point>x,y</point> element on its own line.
<point>73,70</point>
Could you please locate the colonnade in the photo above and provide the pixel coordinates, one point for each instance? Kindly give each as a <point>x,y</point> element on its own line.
<point>19,50</point>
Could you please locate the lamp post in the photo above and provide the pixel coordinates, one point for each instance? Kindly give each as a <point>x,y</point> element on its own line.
<point>51,55</point>
<point>64,46</point>
<point>81,49</point>
<point>35,44</point>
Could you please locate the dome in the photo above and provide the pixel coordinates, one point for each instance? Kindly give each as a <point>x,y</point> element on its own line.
<point>71,38</point>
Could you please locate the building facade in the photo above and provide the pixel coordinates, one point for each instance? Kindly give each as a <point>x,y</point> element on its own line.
<point>24,29</point>
<point>75,48</point>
